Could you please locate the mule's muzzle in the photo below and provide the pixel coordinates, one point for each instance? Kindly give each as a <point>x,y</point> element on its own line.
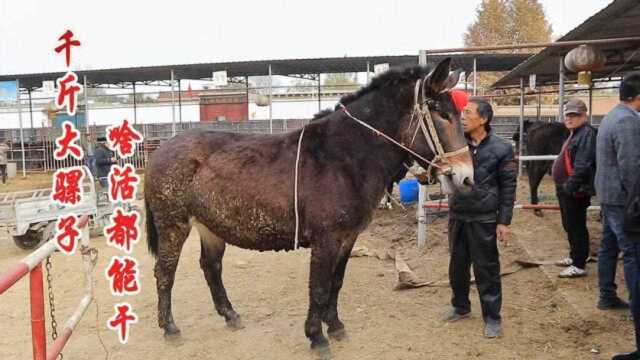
<point>456,178</point>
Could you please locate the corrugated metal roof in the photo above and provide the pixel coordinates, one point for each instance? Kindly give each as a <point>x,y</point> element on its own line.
<point>485,62</point>
<point>619,19</point>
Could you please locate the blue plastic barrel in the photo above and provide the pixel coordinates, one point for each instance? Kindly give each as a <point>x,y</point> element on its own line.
<point>408,191</point>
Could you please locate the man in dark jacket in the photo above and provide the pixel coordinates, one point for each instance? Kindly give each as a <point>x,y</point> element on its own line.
<point>573,172</point>
<point>103,159</point>
<point>617,161</point>
<point>477,218</point>
<point>625,134</point>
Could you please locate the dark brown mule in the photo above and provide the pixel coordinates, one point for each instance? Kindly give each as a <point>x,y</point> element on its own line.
<point>238,189</point>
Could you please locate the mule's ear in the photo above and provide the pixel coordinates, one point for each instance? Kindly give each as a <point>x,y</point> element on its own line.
<point>452,80</point>
<point>437,78</point>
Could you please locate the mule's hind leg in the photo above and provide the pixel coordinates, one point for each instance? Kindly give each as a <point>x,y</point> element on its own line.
<point>171,239</point>
<point>211,253</point>
<point>336,327</point>
<point>535,172</point>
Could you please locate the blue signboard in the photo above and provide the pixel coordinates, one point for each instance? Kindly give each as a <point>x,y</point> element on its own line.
<point>8,91</point>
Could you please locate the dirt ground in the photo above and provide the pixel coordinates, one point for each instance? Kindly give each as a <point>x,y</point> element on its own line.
<point>544,317</point>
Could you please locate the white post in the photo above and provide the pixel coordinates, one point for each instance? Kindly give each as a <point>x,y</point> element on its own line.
<point>24,168</point>
<point>270,107</point>
<point>421,212</point>
<point>422,57</point>
<point>521,126</point>
<point>173,106</point>
<point>422,216</point>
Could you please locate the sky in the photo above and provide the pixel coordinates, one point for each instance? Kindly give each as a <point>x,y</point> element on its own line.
<point>120,33</point>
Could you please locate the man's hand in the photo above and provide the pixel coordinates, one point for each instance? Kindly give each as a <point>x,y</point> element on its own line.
<point>502,231</point>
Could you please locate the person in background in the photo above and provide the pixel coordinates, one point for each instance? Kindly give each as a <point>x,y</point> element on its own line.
<point>573,172</point>
<point>478,218</point>
<point>4,149</point>
<point>103,159</point>
<point>625,140</point>
<point>617,161</point>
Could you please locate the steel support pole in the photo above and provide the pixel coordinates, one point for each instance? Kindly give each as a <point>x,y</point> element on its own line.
<point>135,105</point>
<point>521,134</point>
<point>85,94</point>
<point>319,92</point>
<point>19,103</point>
<point>179,103</point>
<point>590,103</point>
<point>561,88</point>
<point>368,71</point>
<point>270,101</point>
<point>36,296</point>
<point>30,108</point>
<point>475,77</point>
<point>173,106</point>
<point>246,84</point>
<point>539,105</point>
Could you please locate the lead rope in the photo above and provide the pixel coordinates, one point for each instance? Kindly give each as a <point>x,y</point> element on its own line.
<point>380,133</point>
<point>295,192</point>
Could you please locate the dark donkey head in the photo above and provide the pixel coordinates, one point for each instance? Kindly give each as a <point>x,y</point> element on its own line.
<point>398,95</point>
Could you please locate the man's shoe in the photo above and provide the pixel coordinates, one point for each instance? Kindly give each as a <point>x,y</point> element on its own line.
<point>454,314</point>
<point>572,272</point>
<point>565,262</point>
<point>627,356</point>
<point>492,329</point>
<point>612,304</point>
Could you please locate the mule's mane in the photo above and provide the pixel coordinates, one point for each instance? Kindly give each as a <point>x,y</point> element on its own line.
<point>393,77</point>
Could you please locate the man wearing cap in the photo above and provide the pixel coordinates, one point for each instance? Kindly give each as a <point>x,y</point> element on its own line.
<point>479,218</point>
<point>573,172</point>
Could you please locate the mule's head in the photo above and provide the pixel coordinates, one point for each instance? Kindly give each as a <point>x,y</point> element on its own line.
<point>454,169</point>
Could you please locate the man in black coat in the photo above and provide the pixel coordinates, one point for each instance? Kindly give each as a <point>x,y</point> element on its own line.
<point>103,158</point>
<point>573,172</point>
<point>481,217</point>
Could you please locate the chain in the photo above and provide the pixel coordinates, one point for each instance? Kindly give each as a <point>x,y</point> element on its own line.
<point>52,306</point>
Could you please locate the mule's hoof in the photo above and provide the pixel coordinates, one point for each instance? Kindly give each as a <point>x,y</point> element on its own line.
<point>171,330</point>
<point>173,336</point>
<point>235,324</point>
<point>538,213</point>
<point>339,334</point>
<point>321,351</point>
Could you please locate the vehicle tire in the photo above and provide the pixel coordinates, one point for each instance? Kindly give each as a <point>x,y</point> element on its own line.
<point>30,240</point>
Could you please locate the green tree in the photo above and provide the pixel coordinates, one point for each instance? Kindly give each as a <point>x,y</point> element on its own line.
<point>528,23</point>
<point>491,26</point>
<point>505,22</point>
<point>339,80</point>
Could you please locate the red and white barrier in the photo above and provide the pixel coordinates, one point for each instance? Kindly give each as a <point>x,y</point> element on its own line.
<point>32,265</point>
<point>444,205</point>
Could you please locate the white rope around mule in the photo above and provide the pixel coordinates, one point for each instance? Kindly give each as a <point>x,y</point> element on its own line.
<point>295,192</point>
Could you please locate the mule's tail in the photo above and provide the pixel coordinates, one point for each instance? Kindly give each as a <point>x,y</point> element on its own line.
<point>152,234</point>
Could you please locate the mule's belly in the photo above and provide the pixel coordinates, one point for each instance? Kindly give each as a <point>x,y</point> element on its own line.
<point>246,223</point>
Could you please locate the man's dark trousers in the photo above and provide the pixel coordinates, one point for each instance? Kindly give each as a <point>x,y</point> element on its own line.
<point>472,242</point>
<point>573,211</point>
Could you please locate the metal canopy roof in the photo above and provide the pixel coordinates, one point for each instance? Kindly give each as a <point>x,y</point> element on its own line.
<point>619,19</point>
<point>485,62</point>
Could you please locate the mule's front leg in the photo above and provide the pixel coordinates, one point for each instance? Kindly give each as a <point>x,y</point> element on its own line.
<point>336,328</point>
<point>322,266</point>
